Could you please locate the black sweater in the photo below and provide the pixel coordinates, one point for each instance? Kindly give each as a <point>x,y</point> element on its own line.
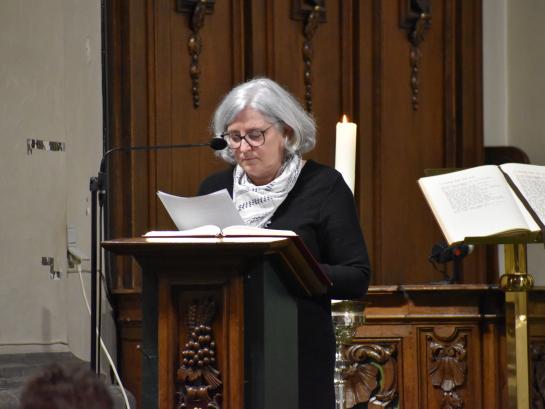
<point>320,209</point>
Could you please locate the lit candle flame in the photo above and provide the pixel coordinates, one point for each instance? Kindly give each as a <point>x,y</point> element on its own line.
<point>345,119</point>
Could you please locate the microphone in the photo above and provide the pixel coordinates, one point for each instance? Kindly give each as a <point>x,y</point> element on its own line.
<point>97,187</point>
<point>442,253</point>
<point>217,143</point>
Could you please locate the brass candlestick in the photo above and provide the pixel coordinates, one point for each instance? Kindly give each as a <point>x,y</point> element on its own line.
<point>347,317</point>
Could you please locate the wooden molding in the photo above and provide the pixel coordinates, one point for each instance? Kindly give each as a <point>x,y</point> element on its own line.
<point>197,10</point>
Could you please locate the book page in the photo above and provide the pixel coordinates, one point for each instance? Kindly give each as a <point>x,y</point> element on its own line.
<point>255,231</point>
<point>475,202</point>
<point>201,231</point>
<point>190,212</point>
<point>530,180</point>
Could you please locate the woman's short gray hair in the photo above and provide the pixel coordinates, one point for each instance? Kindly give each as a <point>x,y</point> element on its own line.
<point>273,102</point>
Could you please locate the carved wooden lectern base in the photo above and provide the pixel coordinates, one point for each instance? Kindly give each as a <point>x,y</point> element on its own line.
<point>219,320</point>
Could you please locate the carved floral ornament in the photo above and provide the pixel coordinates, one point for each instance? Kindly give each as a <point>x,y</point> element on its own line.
<point>448,368</point>
<point>371,377</point>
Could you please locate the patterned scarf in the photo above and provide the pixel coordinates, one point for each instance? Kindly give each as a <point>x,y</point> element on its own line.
<point>257,204</point>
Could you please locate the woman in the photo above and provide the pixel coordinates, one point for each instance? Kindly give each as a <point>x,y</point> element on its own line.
<point>267,131</point>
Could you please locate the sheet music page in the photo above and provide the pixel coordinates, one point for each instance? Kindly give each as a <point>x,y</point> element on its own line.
<point>191,212</point>
<point>530,180</point>
<point>475,202</point>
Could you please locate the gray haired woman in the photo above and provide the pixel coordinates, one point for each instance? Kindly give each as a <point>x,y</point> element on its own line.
<point>267,131</point>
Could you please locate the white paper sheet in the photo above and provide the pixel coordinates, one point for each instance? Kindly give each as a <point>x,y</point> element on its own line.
<point>190,212</point>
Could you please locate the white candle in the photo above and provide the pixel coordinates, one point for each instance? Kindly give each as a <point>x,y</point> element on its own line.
<point>345,151</point>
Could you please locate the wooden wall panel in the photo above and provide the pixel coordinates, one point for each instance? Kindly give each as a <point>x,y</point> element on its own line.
<point>361,65</point>
<point>398,142</point>
<point>178,121</point>
<point>408,144</point>
<point>282,59</point>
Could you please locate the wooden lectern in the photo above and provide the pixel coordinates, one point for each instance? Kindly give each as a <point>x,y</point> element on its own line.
<point>220,319</point>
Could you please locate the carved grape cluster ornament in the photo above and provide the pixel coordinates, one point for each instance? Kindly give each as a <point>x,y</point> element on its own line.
<point>199,351</point>
<point>199,381</point>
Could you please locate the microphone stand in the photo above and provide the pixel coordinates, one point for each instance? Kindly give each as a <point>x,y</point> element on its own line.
<point>98,187</point>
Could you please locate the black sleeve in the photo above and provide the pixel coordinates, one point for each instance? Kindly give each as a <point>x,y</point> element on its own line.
<point>342,244</point>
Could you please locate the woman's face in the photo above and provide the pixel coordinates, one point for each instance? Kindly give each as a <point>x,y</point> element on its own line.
<point>261,163</point>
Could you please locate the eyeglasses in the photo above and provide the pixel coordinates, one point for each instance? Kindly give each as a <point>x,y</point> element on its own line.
<point>254,138</point>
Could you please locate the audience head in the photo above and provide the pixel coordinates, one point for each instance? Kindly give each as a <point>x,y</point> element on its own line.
<point>59,387</point>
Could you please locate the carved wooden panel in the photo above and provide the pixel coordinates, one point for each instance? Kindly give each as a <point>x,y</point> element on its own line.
<point>205,343</point>
<point>448,367</point>
<point>371,377</point>
<point>450,344</point>
<point>452,365</point>
<point>199,380</point>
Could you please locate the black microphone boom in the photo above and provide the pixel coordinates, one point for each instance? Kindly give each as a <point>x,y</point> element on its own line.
<point>215,143</point>
<point>97,187</point>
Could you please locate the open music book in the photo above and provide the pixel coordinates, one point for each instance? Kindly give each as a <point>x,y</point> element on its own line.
<point>488,202</point>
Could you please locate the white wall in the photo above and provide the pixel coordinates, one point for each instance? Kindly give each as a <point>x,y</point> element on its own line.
<point>50,89</point>
<point>514,86</point>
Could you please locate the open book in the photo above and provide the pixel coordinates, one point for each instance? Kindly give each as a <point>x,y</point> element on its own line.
<point>211,230</point>
<point>488,201</point>
<point>212,215</point>
<point>215,215</point>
